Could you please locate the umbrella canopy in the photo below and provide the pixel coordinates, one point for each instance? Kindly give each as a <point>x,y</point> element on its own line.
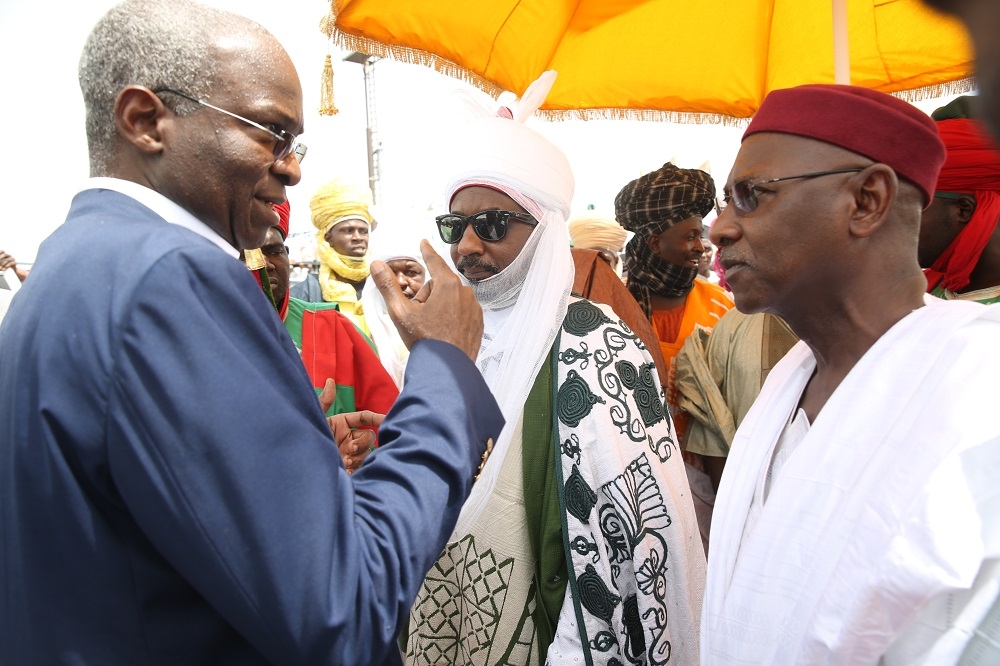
<point>708,60</point>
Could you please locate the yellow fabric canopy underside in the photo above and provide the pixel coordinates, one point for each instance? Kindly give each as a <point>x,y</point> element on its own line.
<point>702,60</point>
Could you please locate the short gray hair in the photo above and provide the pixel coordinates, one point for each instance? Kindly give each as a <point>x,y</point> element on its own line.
<point>152,43</point>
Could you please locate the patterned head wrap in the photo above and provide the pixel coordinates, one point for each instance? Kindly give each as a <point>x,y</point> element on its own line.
<point>650,205</point>
<point>659,200</point>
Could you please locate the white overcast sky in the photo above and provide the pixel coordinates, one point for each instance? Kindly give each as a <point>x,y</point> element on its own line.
<point>42,116</point>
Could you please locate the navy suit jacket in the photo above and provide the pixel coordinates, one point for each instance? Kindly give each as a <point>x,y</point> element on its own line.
<point>170,492</point>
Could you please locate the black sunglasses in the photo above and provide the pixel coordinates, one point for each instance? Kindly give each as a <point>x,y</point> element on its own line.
<point>743,194</point>
<point>489,225</point>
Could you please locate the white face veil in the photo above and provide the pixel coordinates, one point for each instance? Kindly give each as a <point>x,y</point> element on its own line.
<point>525,304</point>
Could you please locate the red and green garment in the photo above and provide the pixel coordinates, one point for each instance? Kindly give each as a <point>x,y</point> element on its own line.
<point>332,346</point>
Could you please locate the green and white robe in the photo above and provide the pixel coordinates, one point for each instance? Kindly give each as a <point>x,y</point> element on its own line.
<point>603,494</point>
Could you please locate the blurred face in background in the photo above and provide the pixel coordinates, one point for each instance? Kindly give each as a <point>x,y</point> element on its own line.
<point>705,260</point>
<point>410,275</point>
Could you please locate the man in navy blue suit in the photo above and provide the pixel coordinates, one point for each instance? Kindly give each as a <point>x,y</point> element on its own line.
<point>170,492</point>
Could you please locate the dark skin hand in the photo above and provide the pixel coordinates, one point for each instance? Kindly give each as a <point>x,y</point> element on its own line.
<point>444,309</point>
<point>353,442</point>
<point>7,261</point>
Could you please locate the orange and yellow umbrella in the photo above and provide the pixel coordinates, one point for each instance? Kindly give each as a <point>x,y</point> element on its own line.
<point>702,60</point>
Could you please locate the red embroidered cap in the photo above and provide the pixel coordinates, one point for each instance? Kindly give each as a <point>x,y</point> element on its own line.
<point>878,126</point>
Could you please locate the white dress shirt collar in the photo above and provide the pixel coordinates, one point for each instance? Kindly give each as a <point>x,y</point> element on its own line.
<point>162,206</point>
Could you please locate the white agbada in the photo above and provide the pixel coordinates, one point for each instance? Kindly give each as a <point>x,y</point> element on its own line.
<point>879,538</point>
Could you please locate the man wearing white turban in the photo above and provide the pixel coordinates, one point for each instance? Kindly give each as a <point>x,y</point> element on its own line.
<point>579,540</point>
<point>402,256</point>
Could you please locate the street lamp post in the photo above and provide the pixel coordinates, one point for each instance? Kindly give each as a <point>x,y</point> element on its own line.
<point>374,145</point>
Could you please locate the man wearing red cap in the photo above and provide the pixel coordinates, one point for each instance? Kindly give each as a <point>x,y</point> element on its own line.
<point>856,521</point>
<point>959,238</point>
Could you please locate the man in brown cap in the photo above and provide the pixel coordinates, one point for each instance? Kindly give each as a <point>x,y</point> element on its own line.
<point>856,522</point>
<point>665,209</point>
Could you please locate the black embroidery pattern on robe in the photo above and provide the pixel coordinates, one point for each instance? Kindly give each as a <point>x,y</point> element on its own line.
<point>571,448</point>
<point>583,317</point>
<point>618,379</point>
<point>635,511</point>
<point>640,382</point>
<point>575,400</point>
<point>461,631</point>
<point>631,509</point>
<point>580,498</point>
<point>595,595</point>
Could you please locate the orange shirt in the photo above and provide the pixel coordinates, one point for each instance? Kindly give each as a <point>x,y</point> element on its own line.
<point>704,305</point>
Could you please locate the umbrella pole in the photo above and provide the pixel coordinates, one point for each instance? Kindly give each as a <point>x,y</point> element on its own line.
<point>841,44</point>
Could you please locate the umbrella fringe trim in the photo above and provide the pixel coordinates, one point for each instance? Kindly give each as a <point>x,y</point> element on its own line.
<point>415,57</point>
<point>959,87</point>
<point>448,68</point>
<point>648,115</point>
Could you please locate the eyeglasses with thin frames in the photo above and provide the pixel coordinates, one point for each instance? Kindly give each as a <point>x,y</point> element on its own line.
<point>743,193</point>
<point>489,225</point>
<point>285,142</point>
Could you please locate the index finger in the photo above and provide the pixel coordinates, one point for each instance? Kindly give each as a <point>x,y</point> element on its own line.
<point>385,280</point>
<point>436,266</point>
<point>365,419</point>
<point>424,292</point>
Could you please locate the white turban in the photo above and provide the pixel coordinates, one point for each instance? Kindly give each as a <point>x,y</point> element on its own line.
<point>499,151</point>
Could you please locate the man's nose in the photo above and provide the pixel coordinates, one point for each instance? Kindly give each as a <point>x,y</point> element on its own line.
<point>470,242</point>
<point>724,230</point>
<point>288,167</point>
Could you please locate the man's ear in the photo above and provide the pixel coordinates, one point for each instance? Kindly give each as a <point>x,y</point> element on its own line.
<point>653,243</point>
<point>138,114</point>
<point>966,207</point>
<point>875,190</point>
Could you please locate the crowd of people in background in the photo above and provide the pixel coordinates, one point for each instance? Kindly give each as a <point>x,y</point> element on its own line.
<point>606,440</point>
